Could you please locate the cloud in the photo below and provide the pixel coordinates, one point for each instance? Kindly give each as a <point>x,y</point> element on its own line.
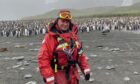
<point>50,1</point>
<point>127,3</point>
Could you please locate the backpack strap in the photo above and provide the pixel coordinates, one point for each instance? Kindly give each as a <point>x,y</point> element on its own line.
<point>55,61</point>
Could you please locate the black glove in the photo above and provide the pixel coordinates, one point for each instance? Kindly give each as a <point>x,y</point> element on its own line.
<point>87,76</point>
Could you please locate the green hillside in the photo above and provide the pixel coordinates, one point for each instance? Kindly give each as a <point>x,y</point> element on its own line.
<point>96,11</point>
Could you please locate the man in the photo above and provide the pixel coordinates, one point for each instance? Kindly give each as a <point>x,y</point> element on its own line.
<point>61,52</point>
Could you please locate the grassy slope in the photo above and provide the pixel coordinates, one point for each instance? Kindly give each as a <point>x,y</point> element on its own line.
<point>97,11</point>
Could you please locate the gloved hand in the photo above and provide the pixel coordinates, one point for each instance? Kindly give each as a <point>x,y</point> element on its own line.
<point>87,76</point>
<point>50,82</point>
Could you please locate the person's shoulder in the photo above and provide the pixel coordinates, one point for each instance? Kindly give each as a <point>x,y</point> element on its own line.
<point>48,38</point>
<point>74,28</point>
<point>50,25</point>
<point>74,25</point>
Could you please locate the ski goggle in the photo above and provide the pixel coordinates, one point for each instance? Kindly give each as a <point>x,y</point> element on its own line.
<point>65,15</point>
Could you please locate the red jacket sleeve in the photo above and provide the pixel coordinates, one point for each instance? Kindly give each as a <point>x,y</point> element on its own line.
<point>83,64</point>
<point>44,59</point>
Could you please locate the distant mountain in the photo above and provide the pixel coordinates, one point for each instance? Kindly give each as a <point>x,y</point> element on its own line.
<point>135,8</point>
<point>75,12</point>
<point>136,1</point>
<point>107,10</point>
<point>54,14</point>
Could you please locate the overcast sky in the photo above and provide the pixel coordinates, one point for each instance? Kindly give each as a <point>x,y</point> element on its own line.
<point>16,9</point>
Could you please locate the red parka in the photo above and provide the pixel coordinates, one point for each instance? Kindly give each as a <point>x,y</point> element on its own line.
<point>50,45</point>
